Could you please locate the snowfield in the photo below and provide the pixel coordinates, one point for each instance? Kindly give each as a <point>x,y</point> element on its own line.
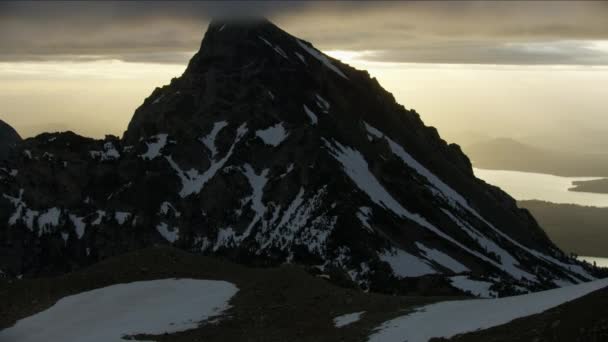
<point>446,319</point>
<point>107,314</point>
<point>347,319</point>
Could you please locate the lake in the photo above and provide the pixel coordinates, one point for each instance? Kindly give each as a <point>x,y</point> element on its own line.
<point>540,186</point>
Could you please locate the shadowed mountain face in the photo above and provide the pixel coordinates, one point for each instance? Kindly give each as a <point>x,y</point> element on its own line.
<point>9,138</point>
<point>267,151</point>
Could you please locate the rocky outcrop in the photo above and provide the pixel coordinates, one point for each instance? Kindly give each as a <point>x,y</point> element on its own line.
<point>267,151</point>
<point>9,138</point>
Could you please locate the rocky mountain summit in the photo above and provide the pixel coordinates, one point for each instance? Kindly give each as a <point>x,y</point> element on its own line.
<point>267,151</point>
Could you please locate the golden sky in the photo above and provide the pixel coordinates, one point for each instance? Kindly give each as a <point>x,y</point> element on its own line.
<point>531,70</point>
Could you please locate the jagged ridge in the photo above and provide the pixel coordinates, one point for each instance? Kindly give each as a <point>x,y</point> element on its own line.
<point>267,151</point>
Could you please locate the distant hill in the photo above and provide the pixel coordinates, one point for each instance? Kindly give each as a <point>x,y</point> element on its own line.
<point>578,229</point>
<point>599,186</point>
<point>509,154</point>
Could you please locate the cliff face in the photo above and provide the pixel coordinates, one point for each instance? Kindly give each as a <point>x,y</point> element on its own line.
<point>9,138</point>
<point>268,151</point>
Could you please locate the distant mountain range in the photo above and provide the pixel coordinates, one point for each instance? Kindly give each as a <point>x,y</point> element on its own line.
<point>509,154</point>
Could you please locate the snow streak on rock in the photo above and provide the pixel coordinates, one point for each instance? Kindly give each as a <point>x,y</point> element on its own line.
<point>298,225</point>
<point>209,140</point>
<point>170,234</point>
<point>257,183</point>
<point>318,55</point>
<point>79,225</point>
<point>364,215</point>
<point>100,215</point>
<point>322,103</point>
<point>442,259</point>
<point>356,168</point>
<point>311,115</point>
<point>347,319</point>
<point>192,181</point>
<point>155,147</point>
<point>277,49</point>
<point>121,217</point>
<point>475,287</point>
<point>404,264</point>
<point>165,207</point>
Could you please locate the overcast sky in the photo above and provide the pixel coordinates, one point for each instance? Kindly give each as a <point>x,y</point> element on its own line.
<point>501,32</point>
<point>533,70</point>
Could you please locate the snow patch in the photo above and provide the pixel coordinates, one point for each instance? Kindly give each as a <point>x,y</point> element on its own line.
<point>100,215</point>
<point>154,148</point>
<point>476,287</point>
<point>170,234</point>
<point>110,313</point>
<point>347,319</point>
<point>165,207</point>
<point>318,55</point>
<point>192,181</point>
<point>79,225</point>
<point>48,219</point>
<point>121,217</point>
<point>404,264</point>
<point>273,135</point>
<point>421,325</point>
<point>442,259</point>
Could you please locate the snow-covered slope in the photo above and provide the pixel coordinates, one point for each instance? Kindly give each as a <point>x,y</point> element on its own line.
<point>110,313</point>
<point>267,151</point>
<point>447,319</point>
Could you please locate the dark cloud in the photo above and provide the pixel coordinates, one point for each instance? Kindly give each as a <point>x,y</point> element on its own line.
<point>502,32</point>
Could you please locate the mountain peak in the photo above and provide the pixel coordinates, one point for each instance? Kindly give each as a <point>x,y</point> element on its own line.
<point>218,25</point>
<point>267,151</point>
<point>236,32</point>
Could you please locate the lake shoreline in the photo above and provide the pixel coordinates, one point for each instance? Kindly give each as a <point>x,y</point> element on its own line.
<point>525,186</point>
